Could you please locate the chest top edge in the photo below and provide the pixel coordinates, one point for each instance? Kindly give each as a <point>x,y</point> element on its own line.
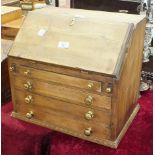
<point>86,74</point>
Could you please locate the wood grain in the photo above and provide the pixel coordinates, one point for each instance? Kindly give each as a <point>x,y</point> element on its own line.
<point>61,69</point>
<point>98,140</point>
<point>10,2</point>
<point>52,117</point>
<point>71,95</point>
<point>59,78</point>
<point>10,13</point>
<point>64,108</point>
<point>106,49</point>
<point>126,90</point>
<point>9,30</point>
<point>99,56</point>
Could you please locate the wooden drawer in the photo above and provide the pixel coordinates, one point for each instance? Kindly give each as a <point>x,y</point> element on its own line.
<point>71,72</point>
<point>72,110</point>
<point>89,85</point>
<point>52,119</point>
<point>63,93</point>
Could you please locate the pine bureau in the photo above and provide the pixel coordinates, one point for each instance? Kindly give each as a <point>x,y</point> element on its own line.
<point>78,72</point>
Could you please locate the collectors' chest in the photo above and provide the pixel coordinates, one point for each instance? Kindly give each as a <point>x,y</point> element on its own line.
<point>78,72</point>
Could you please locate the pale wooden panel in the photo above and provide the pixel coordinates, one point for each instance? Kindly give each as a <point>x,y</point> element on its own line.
<point>5,47</point>
<point>61,92</point>
<point>10,29</point>
<point>102,15</point>
<point>9,13</point>
<point>53,118</point>
<point>126,90</point>
<point>60,70</point>
<point>59,78</point>
<point>95,45</point>
<point>15,23</point>
<point>72,110</point>
<point>10,2</point>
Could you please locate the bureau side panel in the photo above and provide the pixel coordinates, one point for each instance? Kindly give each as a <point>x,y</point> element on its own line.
<point>126,88</point>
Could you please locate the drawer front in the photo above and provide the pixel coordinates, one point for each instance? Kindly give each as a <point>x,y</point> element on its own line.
<point>60,78</point>
<point>54,120</point>
<point>67,109</point>
<point>63,93</point>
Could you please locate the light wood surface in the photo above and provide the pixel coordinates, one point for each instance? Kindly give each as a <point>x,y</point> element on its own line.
<point>61,70</point>
<point>60,79</point>
<point>5,47</point>
<point>72,111</point>
<point>105,52</point>
<point>17,23</point>
<point>52,117</point>
<point>10,29</point>
<point>61,92</point>
<point>102,141</point>
<point>113,17</point>
<point>10,2</point>
<point>9,13</point>
<point>126,89</point>
<point>94,42</point>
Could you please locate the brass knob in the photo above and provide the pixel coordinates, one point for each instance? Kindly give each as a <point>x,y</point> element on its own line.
<point>88,131</point>
<point>108,89</point>
<point>89,100</point>
<point>27,72</point>
<point>90,85</point>
<point>89,115</point>
<point>28,85</point>
<point>29,115</point>
<point>28,99</point>
<point>12,68</point>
